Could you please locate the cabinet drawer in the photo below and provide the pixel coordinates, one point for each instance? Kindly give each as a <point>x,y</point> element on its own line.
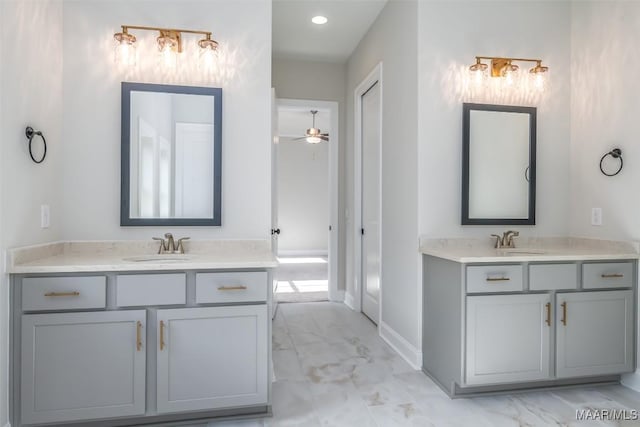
<point>607,275</point>
<point>231,287</point>
<point>494,278</point>
<point>548,277</point>
<point>63,293</point>
<point>151,289</point>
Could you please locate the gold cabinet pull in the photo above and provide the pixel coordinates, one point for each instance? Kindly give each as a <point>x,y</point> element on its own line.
<point>612,276</point>
<point>162,344</point>
<point>62,294</point>
<point>138,336</point>
<point>564,313</point>
<point>498,279</point>
<point>548,321</point>
<point>232,288</point>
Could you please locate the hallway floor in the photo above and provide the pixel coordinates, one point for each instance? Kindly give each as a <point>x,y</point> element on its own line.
<point>302,279</point>
<point>332,369</point>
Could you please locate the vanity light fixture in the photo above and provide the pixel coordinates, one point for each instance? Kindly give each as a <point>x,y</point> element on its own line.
<point>169,45</point>
<point>504,68</point>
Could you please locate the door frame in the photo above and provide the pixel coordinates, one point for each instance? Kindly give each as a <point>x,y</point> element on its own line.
<point>334,189</point>
<point>375,76</point>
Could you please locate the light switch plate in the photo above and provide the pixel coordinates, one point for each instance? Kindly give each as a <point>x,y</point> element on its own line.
<point>596,216</point>
<point>45,217</point>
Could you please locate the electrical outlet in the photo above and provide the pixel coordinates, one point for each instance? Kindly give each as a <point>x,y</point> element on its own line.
<point>45,216</point>
<point>596,216</point>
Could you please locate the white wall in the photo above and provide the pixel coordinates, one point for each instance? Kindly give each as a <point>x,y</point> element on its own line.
<point>30,94</point>
<point>91,105</point>
<point>303,196</point>
<point>393,40</point>
<point>451,35</point>
<point>321,81</point>
<point>604,115</point>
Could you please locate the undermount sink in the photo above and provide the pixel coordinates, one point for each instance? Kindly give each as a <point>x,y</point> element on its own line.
<point>516,251</point>
<point>158,258</point>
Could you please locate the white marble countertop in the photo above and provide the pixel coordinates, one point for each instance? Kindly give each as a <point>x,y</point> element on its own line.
<point>93,256</point>
<point>529,250</point>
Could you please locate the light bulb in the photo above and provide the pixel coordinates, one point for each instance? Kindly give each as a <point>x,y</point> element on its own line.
<point>168,48</point>
<point>124,52</point>
<point>539,81</point>
<point>169,57</point>
<point>208,54</point>
<point>510,75</point>
<point>314,139</point>
<point>539,74</point>
<point>477,77</point>
<point>477,71</point>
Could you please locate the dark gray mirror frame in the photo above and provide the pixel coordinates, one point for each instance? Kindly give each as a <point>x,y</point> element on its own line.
<point>125,165</point>
<point>466,122</point>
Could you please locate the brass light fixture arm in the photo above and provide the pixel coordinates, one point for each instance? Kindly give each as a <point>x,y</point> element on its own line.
<point>126,28</point>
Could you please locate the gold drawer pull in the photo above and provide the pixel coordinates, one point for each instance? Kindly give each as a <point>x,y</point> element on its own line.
<point>62,294</point>
<point>548,321</point>
<point>498,279</point>
<point>612,276</point>
<point>162,344</point>
<point>138,335</point>
<point>564,313</point>
<point>232,288</point>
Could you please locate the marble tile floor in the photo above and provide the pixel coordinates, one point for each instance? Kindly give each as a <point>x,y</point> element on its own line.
<point>302,279</point>
<point>332,369</point>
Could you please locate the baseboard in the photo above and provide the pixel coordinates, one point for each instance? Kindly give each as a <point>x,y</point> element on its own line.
<point>338,297</point>
<point>303,252</point>
<point>632,380</point>
<point>349,301</point>
<point>412,355</point>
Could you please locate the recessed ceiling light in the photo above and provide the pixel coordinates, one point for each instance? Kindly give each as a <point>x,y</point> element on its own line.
<point>320,20</point>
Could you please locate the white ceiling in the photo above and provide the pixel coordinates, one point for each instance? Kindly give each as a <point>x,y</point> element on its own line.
<point>295,36</point>
<point>294,121</point>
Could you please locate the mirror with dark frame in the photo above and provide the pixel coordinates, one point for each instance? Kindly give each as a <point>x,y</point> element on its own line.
<point>171,155</point>
<point>498,165</point>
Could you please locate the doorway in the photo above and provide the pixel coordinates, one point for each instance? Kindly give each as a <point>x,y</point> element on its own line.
<point>306,200</point>
<point>368,188</point>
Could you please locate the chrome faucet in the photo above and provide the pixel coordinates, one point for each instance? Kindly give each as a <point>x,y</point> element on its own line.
<point>169,246</point>
<point>509,235</point>
<point>506,240</point>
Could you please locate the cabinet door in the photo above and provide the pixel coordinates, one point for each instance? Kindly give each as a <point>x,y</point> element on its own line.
<point>594,333</point>
<point>213,357</point>
<point>78,366</point>
<point>507,338</point>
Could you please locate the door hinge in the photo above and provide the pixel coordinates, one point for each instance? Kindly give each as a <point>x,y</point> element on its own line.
<point>329,228</point>
<point>275,231</point>
<point>362,231</point>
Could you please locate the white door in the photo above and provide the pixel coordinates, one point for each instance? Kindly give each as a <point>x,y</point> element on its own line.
<point>594,333</point>
<point>508,338</point>
<point>370,236</point>
<point>212,357</point>
<point>81,366</point>
<point>193,171</point>
<point>275,230</point>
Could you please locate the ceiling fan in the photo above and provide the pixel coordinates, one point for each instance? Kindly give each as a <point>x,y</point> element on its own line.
<point>313,135</point>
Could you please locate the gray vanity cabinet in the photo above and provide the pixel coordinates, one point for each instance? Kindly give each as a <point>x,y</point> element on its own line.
<point>594,333</point>
<point>490,327</point>
<point>212,357</point>
<point>147,347</point>
<point>79,366</point>
<point>507,338</point>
